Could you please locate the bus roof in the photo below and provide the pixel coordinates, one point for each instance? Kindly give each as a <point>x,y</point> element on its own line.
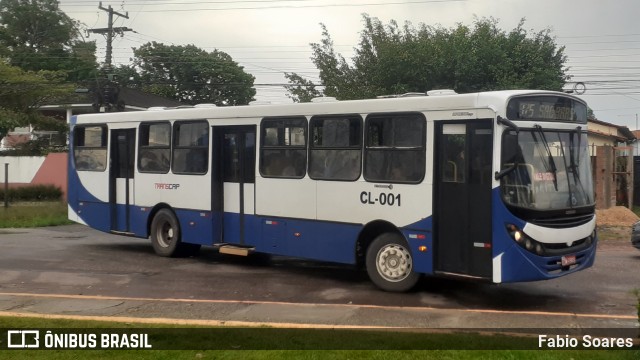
<point>494,100</point>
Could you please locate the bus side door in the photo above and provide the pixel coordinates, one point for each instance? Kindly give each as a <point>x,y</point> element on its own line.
<point>462,201</point>
<point>232,181</point>
<point>121,173</point>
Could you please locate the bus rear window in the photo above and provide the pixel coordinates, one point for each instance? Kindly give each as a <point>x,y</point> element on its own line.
<point>395,148</point>
<point>90,148</point>
<point>283,150</point>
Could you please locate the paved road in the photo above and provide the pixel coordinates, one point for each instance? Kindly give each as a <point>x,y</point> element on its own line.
<point>75,271</point>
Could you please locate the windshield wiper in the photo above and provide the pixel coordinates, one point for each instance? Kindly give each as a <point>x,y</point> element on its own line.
<point>504,172</point>
<point>571,167</point>
<point>551,166</point>
<point>574,158</point>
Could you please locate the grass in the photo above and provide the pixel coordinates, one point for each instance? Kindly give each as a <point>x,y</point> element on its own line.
<point>33,214</point>
<point>250,343</point>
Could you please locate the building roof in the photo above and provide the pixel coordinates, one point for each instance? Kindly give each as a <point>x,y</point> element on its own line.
<point>141,99</point>
<point>623,135</point>
<point>133,99</point>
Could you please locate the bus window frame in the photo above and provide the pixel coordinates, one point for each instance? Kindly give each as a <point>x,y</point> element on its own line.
<point>174,146</point>
<point>304,148</point>
<point>145,147</point>
<point>104,140</point>
<point>320,118</point>
<point>422,148</point>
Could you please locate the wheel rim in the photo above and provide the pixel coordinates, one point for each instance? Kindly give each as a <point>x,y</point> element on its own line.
<point>394,262</point>
<point>165,234</point>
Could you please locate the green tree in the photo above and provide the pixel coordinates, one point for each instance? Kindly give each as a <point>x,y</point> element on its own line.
<point>22,92</point>
<point>37,35</point>
<point>189,74</point>
<point>303,91</point>
<point>394,59</point>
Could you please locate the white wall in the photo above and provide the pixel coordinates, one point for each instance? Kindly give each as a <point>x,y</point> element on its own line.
<point>22,169</point>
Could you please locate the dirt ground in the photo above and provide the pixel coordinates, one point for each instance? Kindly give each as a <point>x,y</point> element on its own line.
<point>614,224</point>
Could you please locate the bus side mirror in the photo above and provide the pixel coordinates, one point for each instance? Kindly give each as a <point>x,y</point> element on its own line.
<point>500,174</point>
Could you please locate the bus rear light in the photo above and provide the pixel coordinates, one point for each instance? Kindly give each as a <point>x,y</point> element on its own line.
<point>417,236</point>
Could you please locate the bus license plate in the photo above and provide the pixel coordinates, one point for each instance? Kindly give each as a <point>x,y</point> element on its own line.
<point>568,260</point>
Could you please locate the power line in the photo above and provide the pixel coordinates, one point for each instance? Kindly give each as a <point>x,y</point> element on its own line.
<point>181,3</point>
<point>269,7</point>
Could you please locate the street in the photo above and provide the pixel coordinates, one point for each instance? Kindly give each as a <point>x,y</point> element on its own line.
<point>74,270</point>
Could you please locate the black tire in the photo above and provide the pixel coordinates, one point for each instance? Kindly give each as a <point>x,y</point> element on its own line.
<point>390,263</point>
<point>165,233</point>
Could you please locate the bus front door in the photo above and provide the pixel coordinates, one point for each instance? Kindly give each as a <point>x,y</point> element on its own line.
<point>462,201</point>
<point>121,171</point>
<point>233,178</point>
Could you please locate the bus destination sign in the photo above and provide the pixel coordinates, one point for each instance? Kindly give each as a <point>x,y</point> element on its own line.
<point>548,108</point>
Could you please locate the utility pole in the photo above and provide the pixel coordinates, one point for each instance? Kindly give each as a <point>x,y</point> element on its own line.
<point>110,31</point>
<point>106,89</point>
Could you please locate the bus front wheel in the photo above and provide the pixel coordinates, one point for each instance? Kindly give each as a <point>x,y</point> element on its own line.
<point>165,236</point>
<point>390,264</point>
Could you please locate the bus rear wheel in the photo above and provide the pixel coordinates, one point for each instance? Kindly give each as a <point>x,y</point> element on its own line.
<point>390,263</point>
<point>166,236</point>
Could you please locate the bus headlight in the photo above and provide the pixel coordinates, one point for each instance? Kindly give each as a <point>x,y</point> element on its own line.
<point>515,233</point>
<point>591,237</point>
<point>517,236</point>
<point>528,244</point>
<point>524,241</point>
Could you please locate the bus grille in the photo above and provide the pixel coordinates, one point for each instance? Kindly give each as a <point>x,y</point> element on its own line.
<point>563,222</point>
<point>555,267</point>
<point>562,248</point>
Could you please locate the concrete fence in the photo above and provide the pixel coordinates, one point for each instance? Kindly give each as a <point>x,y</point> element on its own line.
<point>36,170</point>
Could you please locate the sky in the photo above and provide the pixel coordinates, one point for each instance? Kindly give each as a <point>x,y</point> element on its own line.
<point>271,37</point>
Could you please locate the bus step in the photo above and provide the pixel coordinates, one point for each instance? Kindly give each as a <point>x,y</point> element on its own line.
<point>236,250</point>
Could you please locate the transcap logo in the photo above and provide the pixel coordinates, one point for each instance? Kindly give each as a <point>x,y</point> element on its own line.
<point>163,186</point>
<point>23,339</point>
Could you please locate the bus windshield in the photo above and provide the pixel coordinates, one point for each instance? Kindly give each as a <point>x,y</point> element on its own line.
<point>546,169</point>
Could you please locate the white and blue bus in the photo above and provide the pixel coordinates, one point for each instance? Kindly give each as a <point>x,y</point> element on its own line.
<point>494,186</point>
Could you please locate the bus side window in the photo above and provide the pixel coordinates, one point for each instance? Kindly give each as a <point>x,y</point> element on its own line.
<point>154,148</point>
<point>283,147</point>
<point>336,147</point>
<point>453,162</point>
<point>90,148</point>
<point>190,147</point>
<point>395,148</point>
